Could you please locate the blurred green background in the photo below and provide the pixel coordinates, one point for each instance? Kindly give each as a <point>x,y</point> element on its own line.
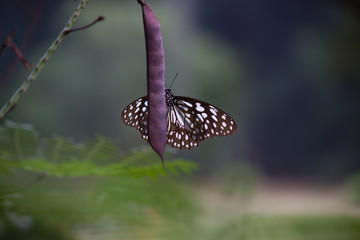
<point>287,71</point>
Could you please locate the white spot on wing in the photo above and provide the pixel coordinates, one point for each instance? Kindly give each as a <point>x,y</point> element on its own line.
<point>199,107</point>
<point>187,103</point>
<point>201,118</point>
<point>214,111</point>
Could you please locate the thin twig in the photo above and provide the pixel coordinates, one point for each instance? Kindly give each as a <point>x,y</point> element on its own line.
<point>39,66</point>
<point>19,54</point>
<point>100,18</point>
<point>38,178</point>
<point>10,44</point>
<point>8,39</point>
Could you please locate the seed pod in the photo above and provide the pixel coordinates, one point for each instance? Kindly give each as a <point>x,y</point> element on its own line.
<point>155,62</point>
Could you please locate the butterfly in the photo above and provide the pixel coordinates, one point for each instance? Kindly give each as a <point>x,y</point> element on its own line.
<point>189,121</point>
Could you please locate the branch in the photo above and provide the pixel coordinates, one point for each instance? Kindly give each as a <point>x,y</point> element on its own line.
<point>99,18</point>
<point>10,44</point>
<point>40,65</point>
<point>8,39</point>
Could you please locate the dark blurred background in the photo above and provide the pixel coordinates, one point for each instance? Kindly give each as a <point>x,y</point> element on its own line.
<point>287,71</point>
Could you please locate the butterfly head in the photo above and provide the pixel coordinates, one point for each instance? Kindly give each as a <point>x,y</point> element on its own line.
<point>169,96</point>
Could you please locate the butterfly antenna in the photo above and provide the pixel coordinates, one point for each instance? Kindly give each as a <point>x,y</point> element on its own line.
<point>173,80</point>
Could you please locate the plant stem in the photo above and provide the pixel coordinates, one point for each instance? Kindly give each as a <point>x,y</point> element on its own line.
<point>11,103</point>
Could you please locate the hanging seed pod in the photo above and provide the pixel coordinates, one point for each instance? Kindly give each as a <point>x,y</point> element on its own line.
<point>155,62</point>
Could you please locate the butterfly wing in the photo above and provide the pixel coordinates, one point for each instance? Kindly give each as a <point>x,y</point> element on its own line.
<point>136,115</point>
<point>191,121</point>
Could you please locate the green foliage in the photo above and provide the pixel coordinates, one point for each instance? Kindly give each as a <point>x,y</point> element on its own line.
<point>88,186</point>
<point>22,148</point>
<point>127,203</point>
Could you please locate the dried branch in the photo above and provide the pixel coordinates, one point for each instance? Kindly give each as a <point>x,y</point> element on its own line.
<point>9,43</point>
<point>8,39</point>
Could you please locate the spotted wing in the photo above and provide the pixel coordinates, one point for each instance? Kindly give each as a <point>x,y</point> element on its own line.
<point>136,114</point>
<point>191,121</point>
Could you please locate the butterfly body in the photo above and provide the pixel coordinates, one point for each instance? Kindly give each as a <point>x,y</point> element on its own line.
<point>189,121</point>
<point>170,98</point>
